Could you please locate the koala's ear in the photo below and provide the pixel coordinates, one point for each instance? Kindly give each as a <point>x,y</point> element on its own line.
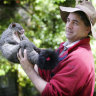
<point>13,25</point>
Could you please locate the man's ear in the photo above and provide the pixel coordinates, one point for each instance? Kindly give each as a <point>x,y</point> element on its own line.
<point>88,29</point>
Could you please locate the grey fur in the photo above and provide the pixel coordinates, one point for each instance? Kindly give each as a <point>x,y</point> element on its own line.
<point>10,44</point>
<point>32,51</point>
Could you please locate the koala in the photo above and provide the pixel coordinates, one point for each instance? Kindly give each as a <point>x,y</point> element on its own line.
<point>13,38</point>
<point>9,41</point>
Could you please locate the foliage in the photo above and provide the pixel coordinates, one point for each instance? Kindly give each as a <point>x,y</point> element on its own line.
<point>43,28</point>
<point>42,23</point>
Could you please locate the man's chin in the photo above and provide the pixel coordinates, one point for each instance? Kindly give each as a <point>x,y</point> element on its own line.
<point>69,37</point>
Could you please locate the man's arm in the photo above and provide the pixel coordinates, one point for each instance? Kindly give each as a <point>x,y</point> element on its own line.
<point>32,74</point>
<point>36,80</point>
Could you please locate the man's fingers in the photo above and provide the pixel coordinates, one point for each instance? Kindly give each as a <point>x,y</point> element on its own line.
<point>19,54</point>
<point>25,53</point>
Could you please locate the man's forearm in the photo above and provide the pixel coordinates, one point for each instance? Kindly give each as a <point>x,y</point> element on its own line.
<point>36,80</point>
<point>32,74</point>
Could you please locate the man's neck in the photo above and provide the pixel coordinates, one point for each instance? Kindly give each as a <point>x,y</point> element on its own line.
<point>70,42</point>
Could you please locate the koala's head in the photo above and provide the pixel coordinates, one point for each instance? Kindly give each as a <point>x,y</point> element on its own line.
<point>17,29</point>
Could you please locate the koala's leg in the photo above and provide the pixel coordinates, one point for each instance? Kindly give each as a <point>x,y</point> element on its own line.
<point>11,41</point>
<point>33,56</point>
<point>10,52</point>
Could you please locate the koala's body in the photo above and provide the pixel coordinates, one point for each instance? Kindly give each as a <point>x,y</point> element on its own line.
<point>13,38</point>
<point>10,40</point>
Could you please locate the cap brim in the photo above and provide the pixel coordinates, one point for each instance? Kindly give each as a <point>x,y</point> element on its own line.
<point>64,11</point>
<point>93,30</point>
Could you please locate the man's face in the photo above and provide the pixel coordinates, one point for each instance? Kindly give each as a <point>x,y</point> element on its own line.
<point>75,28</point>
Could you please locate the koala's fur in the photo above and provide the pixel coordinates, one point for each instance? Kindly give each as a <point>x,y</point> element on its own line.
<point>13,38</point>
<point>10,41</point>
<point>32,51</point>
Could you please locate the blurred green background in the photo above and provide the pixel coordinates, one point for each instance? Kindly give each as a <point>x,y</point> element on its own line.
<point>43,26</point>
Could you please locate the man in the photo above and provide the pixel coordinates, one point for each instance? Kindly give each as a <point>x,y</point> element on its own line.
<point>75,74</point>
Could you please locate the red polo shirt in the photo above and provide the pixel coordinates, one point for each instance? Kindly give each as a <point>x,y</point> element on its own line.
<point>74,75</point>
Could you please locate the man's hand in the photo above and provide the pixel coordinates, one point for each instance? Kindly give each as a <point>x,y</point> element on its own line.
<point>24,61</point>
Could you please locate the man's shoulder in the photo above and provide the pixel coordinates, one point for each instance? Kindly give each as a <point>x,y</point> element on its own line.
<point>80,52</point>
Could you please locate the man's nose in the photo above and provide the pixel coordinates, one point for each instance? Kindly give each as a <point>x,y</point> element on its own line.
<point>69,25</point>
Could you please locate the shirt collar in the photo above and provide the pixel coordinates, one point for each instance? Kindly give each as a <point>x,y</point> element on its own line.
<point>70,45</point>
